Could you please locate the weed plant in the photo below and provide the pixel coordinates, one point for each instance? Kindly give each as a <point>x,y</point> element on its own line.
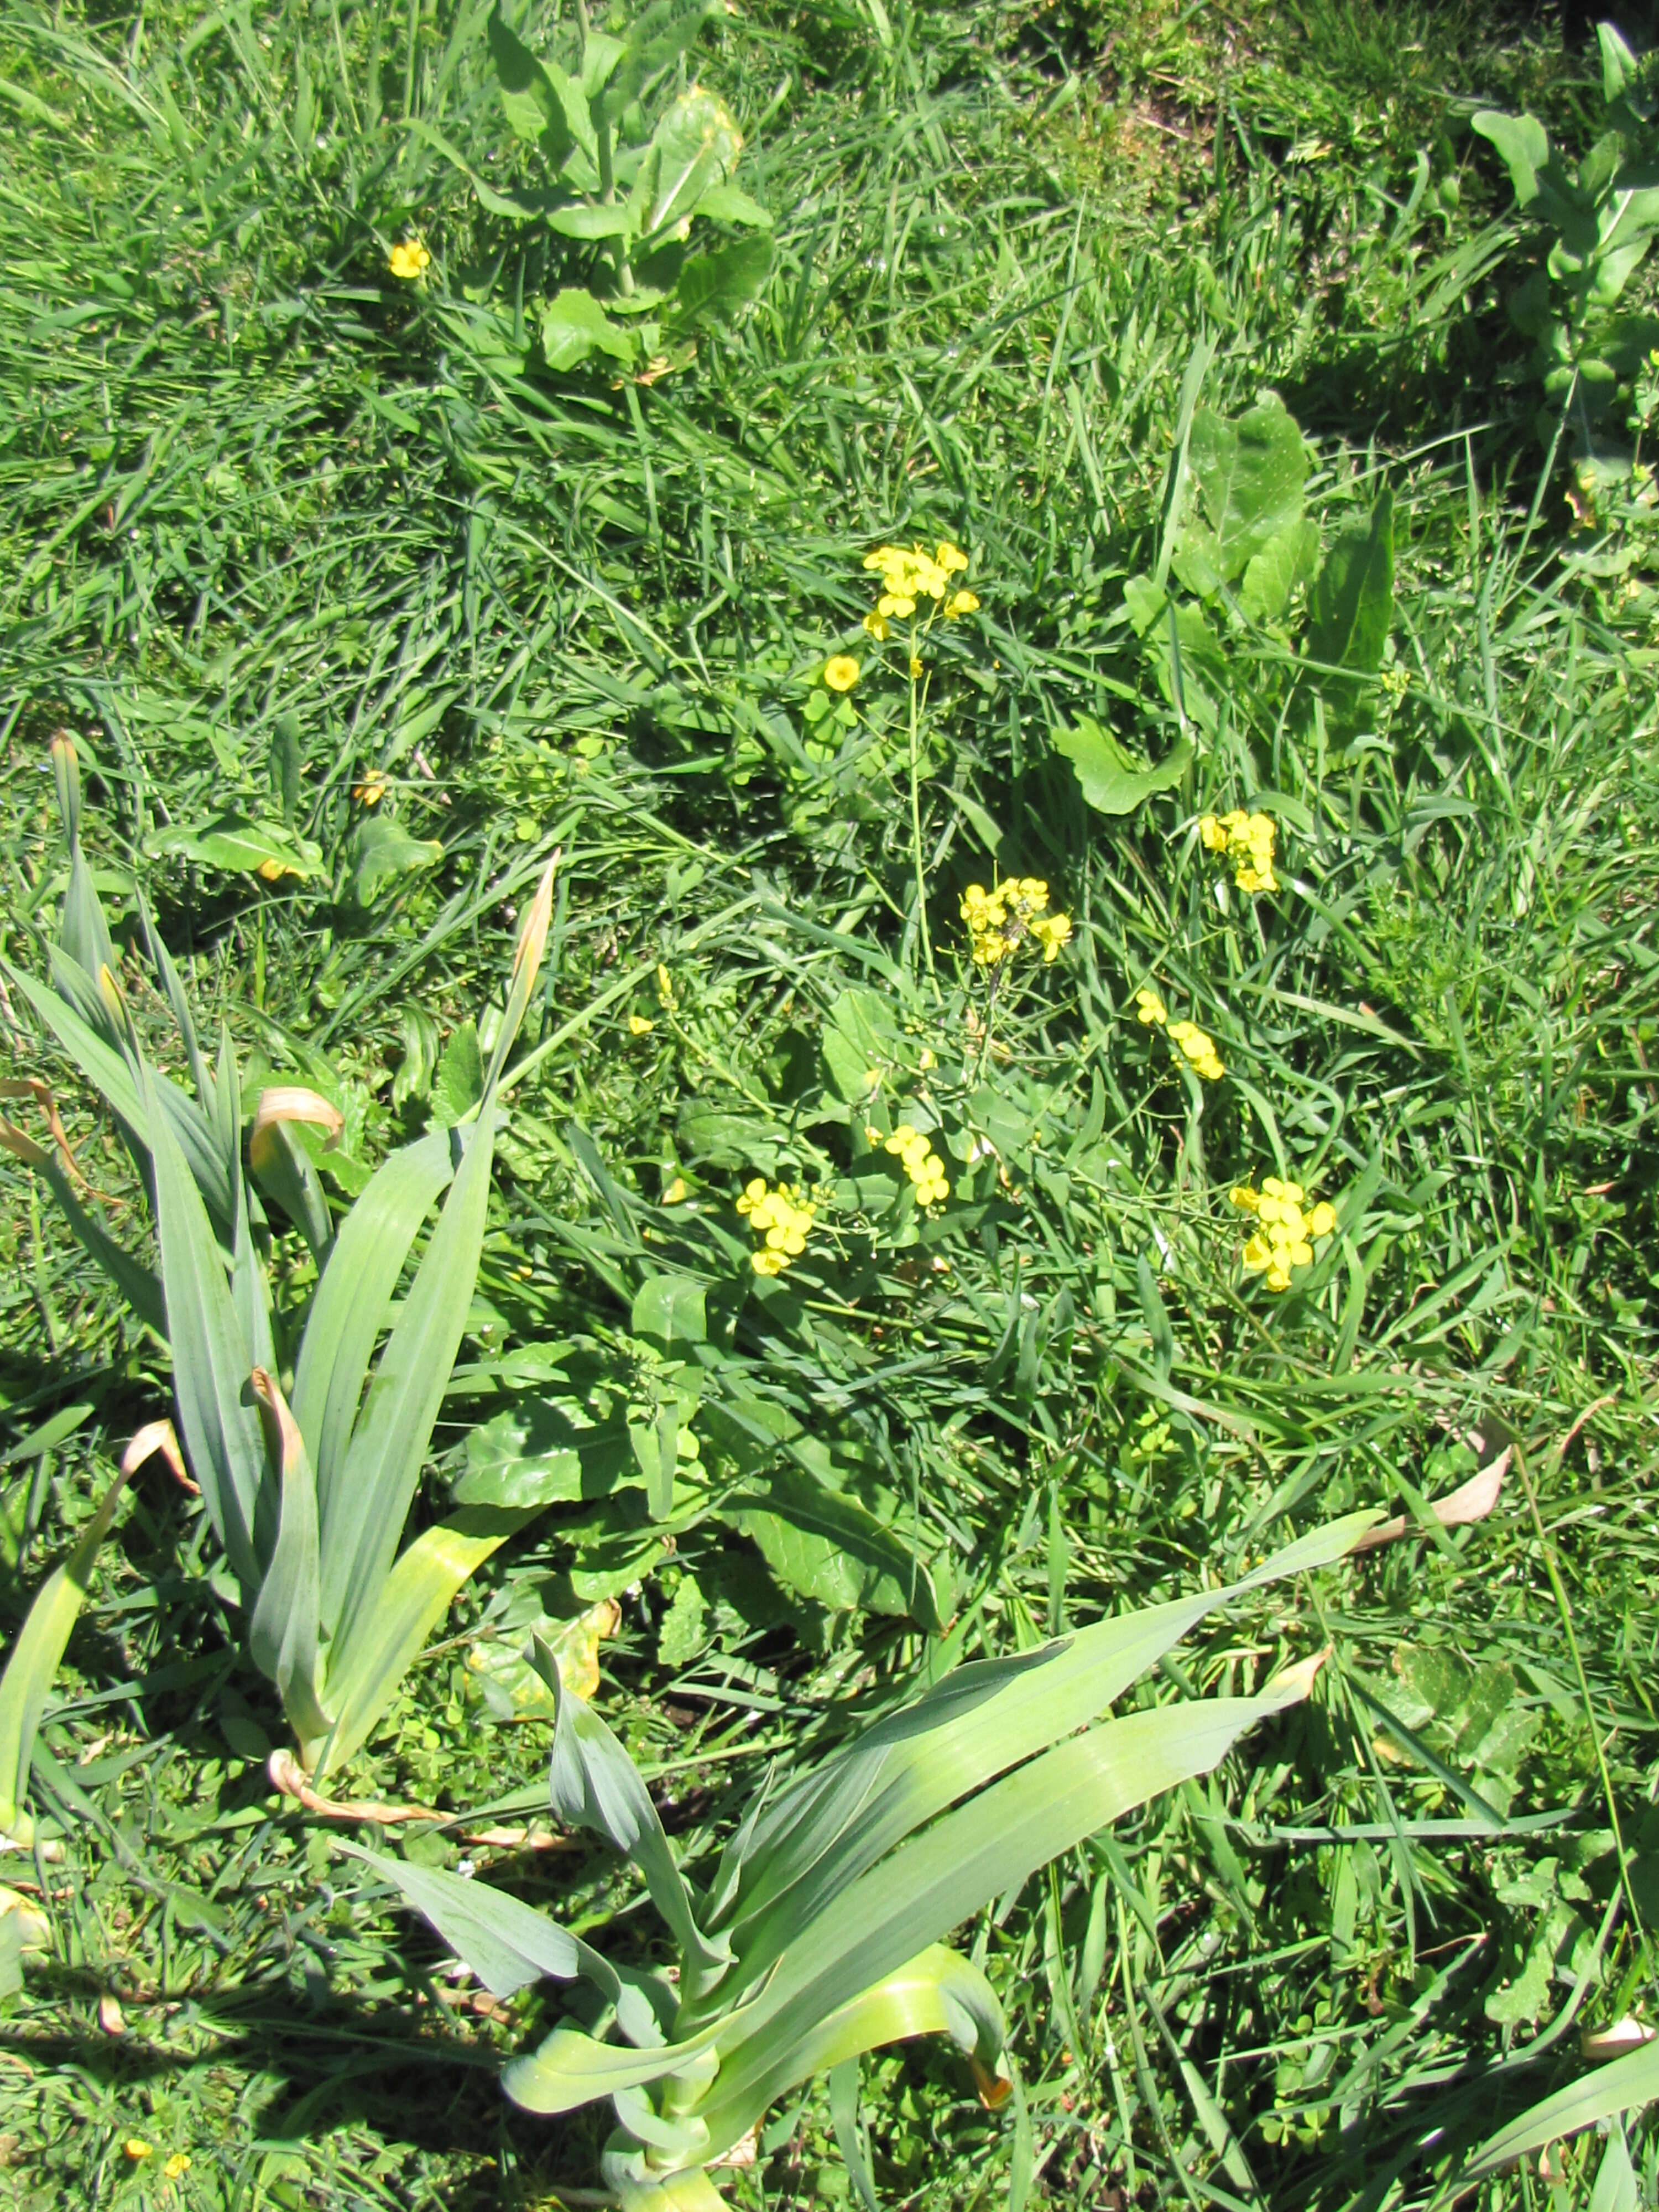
<point>356,611</point>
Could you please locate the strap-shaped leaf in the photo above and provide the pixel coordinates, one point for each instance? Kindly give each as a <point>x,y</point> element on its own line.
<point>595,1784</point>
<point>105,1069</point>
<point>939,1992</point>
<point>211,1359</point>
<point>1630,2081</point>
<point>987,1847</point>
<point>369,1661</point>
<point>282,1632</point>
<point>821,1833</point>
<point>140,1288</point>
<point>34,1656</point>
<point>571,2068</point>
<point>368,1505</point>
<point>82,931</point>
<point>508,1944</point>
<point>172,985</point>
<point>347,1316</point>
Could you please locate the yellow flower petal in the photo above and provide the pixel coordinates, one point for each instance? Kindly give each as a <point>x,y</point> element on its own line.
<point>841,672</point>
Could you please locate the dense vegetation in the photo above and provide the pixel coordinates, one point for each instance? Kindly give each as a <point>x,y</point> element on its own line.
<point>1164,956</point>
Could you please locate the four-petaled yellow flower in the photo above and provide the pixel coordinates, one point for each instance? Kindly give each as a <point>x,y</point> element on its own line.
<point>1199,1049</point>
<point>915,668</point>
<point>664,986</point>
<point>1014,914</point>
<point>1285,1235</point>
<point>910,573</point>
<point>921,1163</point>
<point>371,790</point>
<point>176,2165</point>
<point>639,1026</point>
<point>782,1218</point>
<point>1247,840</point>
<point>409,258</point>
<point>137,2149</point>
<point>841,672</point>
<point>1151,1009</point>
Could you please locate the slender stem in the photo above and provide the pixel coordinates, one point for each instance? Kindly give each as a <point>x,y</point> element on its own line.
<point>624,274</point>
<point>915,814</point>
<point>1566,1610</point>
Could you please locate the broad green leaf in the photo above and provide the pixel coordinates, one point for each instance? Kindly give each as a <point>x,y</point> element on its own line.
<point>347,1316</point>
<point>1627,2082</point>
<point>1351,609</point>
<point>614,219</point>
<point>382,852</point>
<point>1249,476</point>
<point>369,1505</point>
<point>34,1660</point>
<point>531,99</point>
<point>574,325</point>
<point>282,1632</point>
<point>989,1847</point>
<point>655,39</point>
<point>1273,573</point>
<point>508,1944</point>
<point>828,1546</point>
<point>595,1784</point>
<point>1523,144</point>
<point>545,1451</point>
<point>729,204</point>
<point>383,1642</point>
<point>1113,781</point>
<point>211,1358</point>
<point>671,1309</point>
<point>1143,602</point>
<point>729,278</point>
<point>695,145</point>
<point>232,841</point>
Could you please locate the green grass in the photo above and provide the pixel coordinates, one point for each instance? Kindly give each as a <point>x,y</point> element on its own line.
<point>244,476</point>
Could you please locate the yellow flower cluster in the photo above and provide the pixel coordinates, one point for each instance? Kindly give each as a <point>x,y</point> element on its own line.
<point>409,258</point>
<point>910,573</point>
<point>1016,913</point>
<point>781,1216</point>
<point>1248,842</point>
<point>921,1163</point>
<point>1196,1043</point>
<point>1284,1235</point>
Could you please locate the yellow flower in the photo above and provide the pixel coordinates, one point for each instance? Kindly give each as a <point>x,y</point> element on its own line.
<point>1151,1009</point>
<point>876,624</point>
<point>899,605</point>
<point>779,1217</point>
<point>1322,1222</point>
<point>768,1263</point>
<point>1000,921</point>
<point>408,259</point>
<point>915,668</point>
<point>664,988</point>
<point>1198,1049</point>
<point>951,558</point>
<point>1248,842</point>
<point>176,2165</point>
<point>1051,931</point>
<point>274,871</point>
<point>638,1025</point>
<point>1245,1198</point>
<point>961,603</point>
<point>927,1060</point>
<point>841,672</point>
<point>137,2149</point>
<point>371,790</point>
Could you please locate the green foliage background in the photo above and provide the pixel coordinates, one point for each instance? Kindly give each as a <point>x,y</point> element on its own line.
<point>259,502</point>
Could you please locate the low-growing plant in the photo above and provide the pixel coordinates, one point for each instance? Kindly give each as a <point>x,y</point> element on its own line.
<point>630,157</point>
<point>1601,219</point>
<point>821,1935</point>
<point>308,1501</point>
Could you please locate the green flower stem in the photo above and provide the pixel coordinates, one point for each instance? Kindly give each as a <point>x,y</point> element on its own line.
<point>915,817</point>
